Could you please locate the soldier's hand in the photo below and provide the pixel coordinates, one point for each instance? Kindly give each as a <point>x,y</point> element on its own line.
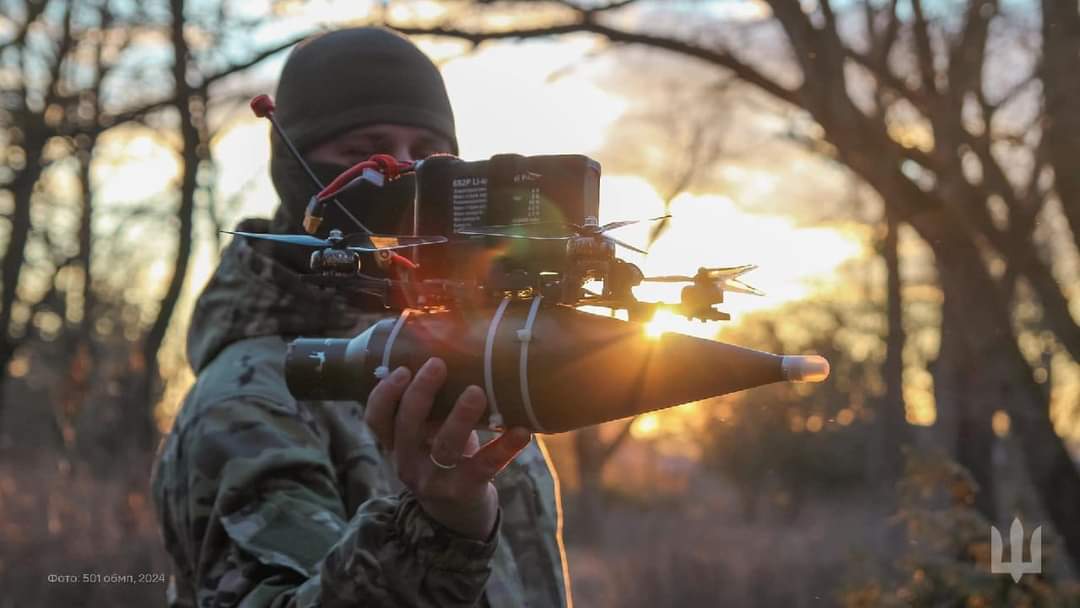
<point>458,494</point>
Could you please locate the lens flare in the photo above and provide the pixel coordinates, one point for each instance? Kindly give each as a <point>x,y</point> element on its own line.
<point>663,321</point>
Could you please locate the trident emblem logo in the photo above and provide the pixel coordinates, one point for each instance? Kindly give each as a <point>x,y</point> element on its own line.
<point>1015,566</point>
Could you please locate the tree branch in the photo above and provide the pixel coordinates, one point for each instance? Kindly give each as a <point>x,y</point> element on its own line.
<point>720,58</point>
<point>610,6</point>
<point>33,11</point>
<point>924,49</point>
<point>968,54</point>
<point>624,434</point>
<point>139,112</point>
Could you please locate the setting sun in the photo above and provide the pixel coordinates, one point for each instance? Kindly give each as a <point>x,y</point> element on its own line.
<point>663,321</point>
<point>645,426</point>
<point>710,230</point>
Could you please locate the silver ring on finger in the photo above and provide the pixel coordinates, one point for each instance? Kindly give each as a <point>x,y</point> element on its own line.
<point>445,467</point>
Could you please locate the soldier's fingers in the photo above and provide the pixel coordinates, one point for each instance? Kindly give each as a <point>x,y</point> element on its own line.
<point>382,404</point>
<point>472,445</point>
<point>409,424</point>
<point>486,463</point>
<point>450,441</point>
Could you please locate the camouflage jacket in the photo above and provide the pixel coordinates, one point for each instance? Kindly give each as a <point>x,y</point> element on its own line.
<point>266,501</point>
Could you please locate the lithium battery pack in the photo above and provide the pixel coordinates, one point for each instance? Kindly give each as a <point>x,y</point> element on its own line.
<point>507,189</point>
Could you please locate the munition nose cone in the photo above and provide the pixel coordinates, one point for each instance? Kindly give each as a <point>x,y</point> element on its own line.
<point>804,368</point>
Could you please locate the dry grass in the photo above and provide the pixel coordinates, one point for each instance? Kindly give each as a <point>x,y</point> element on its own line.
<point>690,547</point>
<point>56,519</point>
<point>700,552</point>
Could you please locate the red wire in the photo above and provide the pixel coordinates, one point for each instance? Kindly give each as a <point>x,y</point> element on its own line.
<point>391,168</point>
<point>403,261</point>
<point>386,164</point>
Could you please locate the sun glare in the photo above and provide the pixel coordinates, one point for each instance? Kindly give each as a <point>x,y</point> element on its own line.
<point>133,165</point>
<point>661,323</point>
<point>500,107</point>
<point>645,426</point>
<point>711,230</point>
<point>665,321</point>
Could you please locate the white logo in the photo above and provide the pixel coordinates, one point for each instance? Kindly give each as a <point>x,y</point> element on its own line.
<point>1015,566</point>
<point>528,176</point>
<point>319,356</point>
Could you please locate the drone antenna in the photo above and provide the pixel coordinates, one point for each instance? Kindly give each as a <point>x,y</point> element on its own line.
<point>263,107</point>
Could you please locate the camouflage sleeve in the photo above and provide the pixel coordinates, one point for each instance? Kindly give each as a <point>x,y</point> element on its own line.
<point>264,522</point>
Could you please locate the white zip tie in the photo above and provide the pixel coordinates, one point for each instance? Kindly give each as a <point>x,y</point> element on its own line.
<point>384,370</point>
<point>495,420</point>
<point>525,335</point>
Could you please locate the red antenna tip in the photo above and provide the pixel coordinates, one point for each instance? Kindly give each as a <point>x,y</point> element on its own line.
<point>262,106</point>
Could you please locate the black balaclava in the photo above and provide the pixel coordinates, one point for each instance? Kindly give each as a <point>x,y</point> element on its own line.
<point>336,82</point>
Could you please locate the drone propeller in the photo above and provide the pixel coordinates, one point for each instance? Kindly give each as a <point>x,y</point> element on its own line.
<point>379,242</point>
<point>728,272</point>
<point>512,231</point>
<point>620,224</point>
<point>374,242</point>
<point>712,274</point>
<point>291,239</point>
<point>725,277</point>
<point>737,286</point>
<point>670,278</point>
<point>569,230</point>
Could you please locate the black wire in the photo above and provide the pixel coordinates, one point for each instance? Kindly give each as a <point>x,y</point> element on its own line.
<point>300,159</point>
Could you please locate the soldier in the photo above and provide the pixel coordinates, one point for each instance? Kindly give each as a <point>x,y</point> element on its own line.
<point>266,501</point>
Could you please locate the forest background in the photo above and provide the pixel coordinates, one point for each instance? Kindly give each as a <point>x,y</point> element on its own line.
<point>906,173</point>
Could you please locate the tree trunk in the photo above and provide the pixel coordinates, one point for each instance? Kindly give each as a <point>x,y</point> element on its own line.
<point>86,239</point>
<point>186,104</point>
<point>590,498</point>
<point>893,419</point>
<point>75,394</point>
<point>22,190</point>
<point>592,453</point>
<point>957,389</point>
<point>985,323</point>
<point>1004,376</point>
<point>1061,90</point>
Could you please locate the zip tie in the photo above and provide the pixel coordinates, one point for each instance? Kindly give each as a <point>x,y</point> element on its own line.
<point>495,420</point>
<point>384,370</point>
<point>525,336</point>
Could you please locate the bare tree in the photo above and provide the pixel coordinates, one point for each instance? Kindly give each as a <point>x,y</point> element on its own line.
<point>892,424</point>
<point>49,100</point>
<point>1061,47</point>
<point>692,139</point>
<point>935,69</point>
<point>68,78</point>
<point>190,103</point>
